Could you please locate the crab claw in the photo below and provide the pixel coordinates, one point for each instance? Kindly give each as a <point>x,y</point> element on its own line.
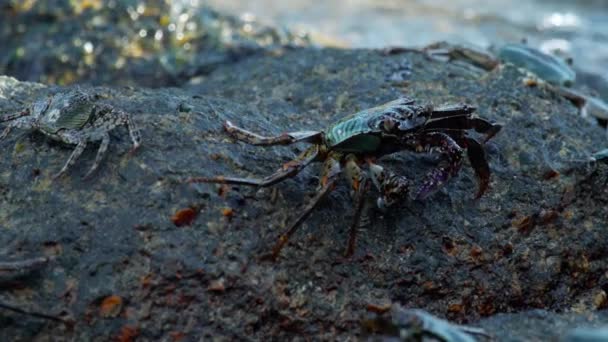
<point>393,188</point>
<point>477,158</point>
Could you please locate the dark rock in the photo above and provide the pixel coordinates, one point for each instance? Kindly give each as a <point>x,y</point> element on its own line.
<point>530,242</point>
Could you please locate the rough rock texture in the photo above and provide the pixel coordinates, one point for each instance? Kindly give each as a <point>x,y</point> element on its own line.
<point>537,239</point>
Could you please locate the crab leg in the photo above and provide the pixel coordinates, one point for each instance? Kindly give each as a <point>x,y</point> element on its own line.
<point>133,131</point>
<point>446,169</point>
<point>331,170</point>
<point>359,184</point>
<point>103,147</point>
<point>20,122</point>
<point>283,139</point>
<point>73,157</point>
<point>288,169</point>
<point>14,116</point>
<point>125,119</point>
<point>6,131</point>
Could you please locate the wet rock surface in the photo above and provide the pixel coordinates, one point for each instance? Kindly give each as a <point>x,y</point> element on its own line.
<point>122,268</point>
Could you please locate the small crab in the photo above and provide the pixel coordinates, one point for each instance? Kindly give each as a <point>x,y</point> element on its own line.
<point>558,73</point>
<point>548,67</point>
<point>353,143</point>
<point>74,117</point>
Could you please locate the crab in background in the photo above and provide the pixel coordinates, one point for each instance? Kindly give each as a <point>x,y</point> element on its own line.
<point>74,117</point>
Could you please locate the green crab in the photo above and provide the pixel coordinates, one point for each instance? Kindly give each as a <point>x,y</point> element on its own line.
<point>74,117</point>
<point>351,146</point>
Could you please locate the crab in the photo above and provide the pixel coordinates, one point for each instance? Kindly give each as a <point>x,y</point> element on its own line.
<point>557,73</point>
<point>547,67</point>
<point>74,117</point>
<point>352,145</point>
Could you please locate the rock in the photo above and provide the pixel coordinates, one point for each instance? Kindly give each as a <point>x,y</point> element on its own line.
<point>113,234</point>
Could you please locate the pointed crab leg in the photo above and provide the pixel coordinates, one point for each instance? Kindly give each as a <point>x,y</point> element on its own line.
<point>103,147</point>
<point>283,139</point>
<point>289,169</point>
<point>82,144</point>
<point>331,170</point>
<point>126,119</point>
<point>360,185</point>
<point>19,121</point>
<point>260,140</point>
<point>14,116</point>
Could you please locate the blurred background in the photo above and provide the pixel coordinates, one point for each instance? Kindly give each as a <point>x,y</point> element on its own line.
<point>165,42</point>
<point>575,28</point>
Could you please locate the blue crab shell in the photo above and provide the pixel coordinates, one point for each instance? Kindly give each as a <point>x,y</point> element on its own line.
<point>362,131</point>
<point>547,67</point>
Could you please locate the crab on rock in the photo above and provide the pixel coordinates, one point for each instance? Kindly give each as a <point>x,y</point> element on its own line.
<point>74,117</point>
<point>357,140</point>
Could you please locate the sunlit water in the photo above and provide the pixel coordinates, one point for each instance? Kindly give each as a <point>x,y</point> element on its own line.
<point>575,28</point>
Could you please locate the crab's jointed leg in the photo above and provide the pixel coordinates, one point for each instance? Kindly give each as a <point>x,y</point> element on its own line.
<point>331,170</point>
<point>103,147</point>
<point>133,132</point>
<point>359,184</point>
<point>446,169</point>
<point>6,131</point>
<point>124,118</point>
<point>14,116</point>
<point>289,169</point>
<point>82,144</point>
<point>283,139</point>
<point>19,122</point>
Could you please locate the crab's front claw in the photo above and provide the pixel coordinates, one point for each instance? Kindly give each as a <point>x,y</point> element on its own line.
<point>393,188</point>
